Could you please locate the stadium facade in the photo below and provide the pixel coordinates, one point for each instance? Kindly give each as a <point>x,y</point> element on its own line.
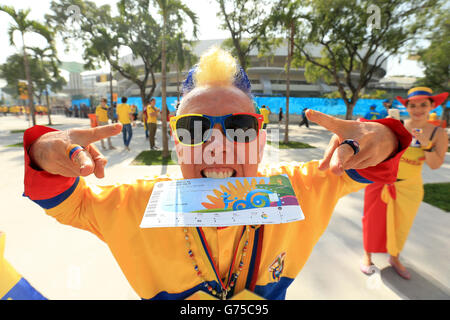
<point>267,75</point>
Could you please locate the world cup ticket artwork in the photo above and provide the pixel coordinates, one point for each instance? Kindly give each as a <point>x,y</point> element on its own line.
<point>211,202</point>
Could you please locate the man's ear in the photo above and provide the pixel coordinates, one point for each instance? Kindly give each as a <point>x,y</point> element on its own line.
<point>262,139</point>
<point>178,152</point>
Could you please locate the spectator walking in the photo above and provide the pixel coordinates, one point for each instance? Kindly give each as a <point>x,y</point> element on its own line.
<point>125,115</point>
<point>101,112</point>
<point>265,111</point>
<point>305,119</point>
<point>152,116</point>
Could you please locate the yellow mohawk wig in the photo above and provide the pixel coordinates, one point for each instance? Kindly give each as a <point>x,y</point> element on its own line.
<point>216,68</point>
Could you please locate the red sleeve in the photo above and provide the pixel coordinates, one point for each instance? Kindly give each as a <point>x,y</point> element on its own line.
<point>39,184</point>
<point>386,171</point>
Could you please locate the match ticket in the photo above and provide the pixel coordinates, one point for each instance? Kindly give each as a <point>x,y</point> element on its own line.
<point>222,202</point>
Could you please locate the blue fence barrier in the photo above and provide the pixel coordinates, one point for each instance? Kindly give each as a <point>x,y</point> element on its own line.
<point>79,102</point>
<point>296,105</point>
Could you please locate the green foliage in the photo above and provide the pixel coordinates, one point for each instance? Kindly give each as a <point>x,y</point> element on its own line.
<point>245,20</point>
<point>353,50</point>
<point>436,194</point>
<point>435,57</point>
<point>24,25</point>
<point>103,35</point>
<point>377,94</point>
<point>44,73</point>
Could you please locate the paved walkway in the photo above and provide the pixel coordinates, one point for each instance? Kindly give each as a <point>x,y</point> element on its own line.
<point>66,263</point>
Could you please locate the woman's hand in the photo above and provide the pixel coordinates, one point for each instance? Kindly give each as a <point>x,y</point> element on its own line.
<point>376,141</point>
<point>421,137</point>
<point>49,151</point>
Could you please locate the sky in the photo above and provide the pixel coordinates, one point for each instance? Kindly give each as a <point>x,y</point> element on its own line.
<point>208,29</point>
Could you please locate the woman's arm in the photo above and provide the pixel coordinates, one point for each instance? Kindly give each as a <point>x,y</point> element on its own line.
<point>435,156</point>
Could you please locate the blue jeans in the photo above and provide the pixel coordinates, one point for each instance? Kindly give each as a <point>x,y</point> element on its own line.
<point>127,132</point>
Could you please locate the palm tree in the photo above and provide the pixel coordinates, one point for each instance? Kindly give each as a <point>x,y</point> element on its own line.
<point>50,63</point>
<point>285,15</point>
<point>25,25</point>
<point>172,11</point>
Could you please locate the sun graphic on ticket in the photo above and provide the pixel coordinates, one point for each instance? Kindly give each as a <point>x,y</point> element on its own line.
<point>222,202</point>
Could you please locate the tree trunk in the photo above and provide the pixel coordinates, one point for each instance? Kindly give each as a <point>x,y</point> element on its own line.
<point>288,80</point>
<point>165,140</point>
<point>350,105</point>
<point>110,86</point>
<point>178,82</point>
<point>30,84</point>
<point>48,107</point>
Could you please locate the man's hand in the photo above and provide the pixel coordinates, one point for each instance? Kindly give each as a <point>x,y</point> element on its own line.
<point>377,143</point>
<point>49,151</point>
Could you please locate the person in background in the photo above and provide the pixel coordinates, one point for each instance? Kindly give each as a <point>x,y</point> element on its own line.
<point>152,116</point>
<point>145,118</point>
<point>280,116</point>
<point>115,117</point>
<point>125,117</point>
<point>134,112</point>
<point>390,209</point>
<point>305,119</point>
<point>387,104</point>
<point>265,111</point>
<point>101,112</point>
<point>373,114</point>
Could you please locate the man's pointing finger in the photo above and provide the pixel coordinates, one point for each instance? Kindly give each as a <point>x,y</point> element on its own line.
<point>85,137</point>
<point>335,125</point>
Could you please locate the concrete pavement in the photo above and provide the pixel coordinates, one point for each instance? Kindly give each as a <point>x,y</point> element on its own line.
<point>66,263</point>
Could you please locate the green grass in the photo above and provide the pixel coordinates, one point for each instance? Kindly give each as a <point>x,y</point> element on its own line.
<point>291,145</point>
<point>18,131</point>
<point>152,157</point>
<point>20,144</point>
<point>438,195</point>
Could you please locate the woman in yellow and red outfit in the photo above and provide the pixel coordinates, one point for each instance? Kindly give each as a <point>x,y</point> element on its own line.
<point>390,209</point>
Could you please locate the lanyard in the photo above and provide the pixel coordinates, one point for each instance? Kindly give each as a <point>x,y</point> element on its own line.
<point>228,279</point>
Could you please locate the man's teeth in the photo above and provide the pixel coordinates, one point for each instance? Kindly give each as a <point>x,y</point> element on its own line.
<point>218,174</point>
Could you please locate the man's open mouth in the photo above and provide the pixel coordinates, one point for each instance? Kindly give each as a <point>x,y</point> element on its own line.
<point>218,173</point>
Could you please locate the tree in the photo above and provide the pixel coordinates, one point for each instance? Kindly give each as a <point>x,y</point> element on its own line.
<point>181,55</point>
<point>244,19</point>
<point>25,25</point>
<point>283,19</point>
<point>48,63</point>
<point>435,57</point>
<point>104,35</point>
<point>173,13</point>
<point>356,38</point>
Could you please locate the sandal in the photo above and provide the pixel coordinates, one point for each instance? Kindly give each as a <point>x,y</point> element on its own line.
<point>368,270</point>
<point>404,274</point>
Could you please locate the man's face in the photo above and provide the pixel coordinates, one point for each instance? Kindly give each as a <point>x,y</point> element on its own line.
<point>219,157</point>
<point>152,103</point>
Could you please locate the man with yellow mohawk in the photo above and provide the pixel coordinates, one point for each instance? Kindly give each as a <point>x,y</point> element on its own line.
<point>175,263</point>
